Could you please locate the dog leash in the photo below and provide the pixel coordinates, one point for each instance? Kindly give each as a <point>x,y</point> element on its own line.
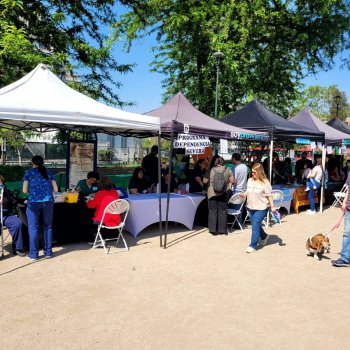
<point>336,225</point>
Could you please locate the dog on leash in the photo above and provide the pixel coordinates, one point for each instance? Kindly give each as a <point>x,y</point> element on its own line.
<point>317,245</point>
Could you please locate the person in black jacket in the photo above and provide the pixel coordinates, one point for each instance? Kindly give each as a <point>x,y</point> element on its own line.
<point>10,220</point>
<point>150,165</point>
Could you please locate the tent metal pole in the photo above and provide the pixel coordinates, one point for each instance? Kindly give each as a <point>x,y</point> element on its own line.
<point>324,152</point>
<point>168,189</point>
<point>271,154</point>
<point>160,191</point>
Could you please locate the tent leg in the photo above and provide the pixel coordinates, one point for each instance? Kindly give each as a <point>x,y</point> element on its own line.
<point>160,192</point>
<point>168,189</point>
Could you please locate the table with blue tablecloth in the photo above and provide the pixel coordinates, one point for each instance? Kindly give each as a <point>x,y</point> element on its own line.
<point>144,210</point>
<point>287,196</point>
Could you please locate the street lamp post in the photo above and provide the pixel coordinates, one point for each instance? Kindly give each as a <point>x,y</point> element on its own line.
<point>218,55</point>
<point>337,100</point>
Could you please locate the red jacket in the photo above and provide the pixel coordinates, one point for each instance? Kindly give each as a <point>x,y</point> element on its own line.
<point>100,202</point>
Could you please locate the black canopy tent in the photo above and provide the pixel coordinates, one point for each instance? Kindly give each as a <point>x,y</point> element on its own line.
<point>332,136</point>
<point>338,124</point>
<point>255,116</point>
<point>178,115</point>
<point>307,119</point>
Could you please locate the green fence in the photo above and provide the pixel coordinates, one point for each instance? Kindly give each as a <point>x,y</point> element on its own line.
<point>121,180</point>
<point>16,185</point>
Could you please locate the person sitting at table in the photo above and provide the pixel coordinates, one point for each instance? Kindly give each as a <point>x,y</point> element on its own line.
<point>104,196</point>
<point>138,184</point>
<point>11,221</point>
<point>278,170</point>
<point>89,185</point>
<point>166,178</point>
<point>196,179</point>
<point>334,173</point>
<point>288,171</point>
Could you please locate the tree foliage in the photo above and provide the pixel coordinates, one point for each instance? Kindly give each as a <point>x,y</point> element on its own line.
<point>15,140</point>
<point>321,102</point>
<point>71,36</point>
<point>268,46</point>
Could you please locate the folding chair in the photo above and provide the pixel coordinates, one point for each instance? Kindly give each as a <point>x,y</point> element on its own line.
<point>277,195</point>
<point>339,196</point>
<point>247,218</point>
<point>119,206</point>
<point>235,199</point>
<point>2,227</point>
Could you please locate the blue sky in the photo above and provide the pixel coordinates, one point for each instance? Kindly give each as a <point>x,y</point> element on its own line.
<point>144,88</point>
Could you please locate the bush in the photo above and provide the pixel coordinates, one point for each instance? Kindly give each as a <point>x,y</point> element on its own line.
<point>105,155</point>
<point>12,172</point>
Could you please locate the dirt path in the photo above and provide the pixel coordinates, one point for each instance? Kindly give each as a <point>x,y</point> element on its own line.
<point>203,292</point>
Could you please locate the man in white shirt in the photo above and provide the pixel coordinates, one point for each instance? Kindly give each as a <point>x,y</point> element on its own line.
<point>240,174</point>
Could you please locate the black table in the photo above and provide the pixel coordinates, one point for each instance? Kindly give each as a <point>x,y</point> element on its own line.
<point>72,222</point>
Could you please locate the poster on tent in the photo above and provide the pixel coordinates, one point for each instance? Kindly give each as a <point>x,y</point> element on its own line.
<point>82,158</point>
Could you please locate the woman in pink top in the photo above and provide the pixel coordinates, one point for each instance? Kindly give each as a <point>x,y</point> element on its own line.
<point>102,198</point>
<point>259,199</point>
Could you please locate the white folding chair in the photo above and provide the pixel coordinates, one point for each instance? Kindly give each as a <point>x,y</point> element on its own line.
<point>247,218</point>
<point>277,195</point>
<point>235,199</point>
<point>339,196</point>
<point>118,207</point>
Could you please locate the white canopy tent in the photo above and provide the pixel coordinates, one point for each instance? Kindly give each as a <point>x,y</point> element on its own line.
<point>41,101</point>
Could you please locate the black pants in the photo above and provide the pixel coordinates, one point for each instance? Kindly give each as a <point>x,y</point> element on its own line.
<point>217,218</point>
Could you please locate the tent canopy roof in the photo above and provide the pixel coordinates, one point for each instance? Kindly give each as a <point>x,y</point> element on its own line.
<point>306,119</point>
<point>179,113</point>
<point>254,116</point>
<point>338,124</point>
<point>41,101</point>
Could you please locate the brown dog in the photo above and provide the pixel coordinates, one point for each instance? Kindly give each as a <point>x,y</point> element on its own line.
<point>317,245</point>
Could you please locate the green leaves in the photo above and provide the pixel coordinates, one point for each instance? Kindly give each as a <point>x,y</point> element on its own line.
<point>269,46</point>
<point>70,36</point>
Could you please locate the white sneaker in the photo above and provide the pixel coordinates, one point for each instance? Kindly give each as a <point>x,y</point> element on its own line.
<point>250,250</point>
<point>264,241</point>
<point>307,189</point>
<point>311,212</point>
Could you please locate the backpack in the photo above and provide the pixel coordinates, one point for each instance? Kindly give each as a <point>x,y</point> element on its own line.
<point>219,181</point>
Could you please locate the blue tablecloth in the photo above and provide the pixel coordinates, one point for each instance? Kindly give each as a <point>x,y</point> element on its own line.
<point>287,196</point>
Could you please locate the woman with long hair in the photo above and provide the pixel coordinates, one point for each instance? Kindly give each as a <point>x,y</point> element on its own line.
<point>39,182</point>
<point>196,181</point>
<point>313,182</point>
<point>138,183</point>
<point>259,200</point>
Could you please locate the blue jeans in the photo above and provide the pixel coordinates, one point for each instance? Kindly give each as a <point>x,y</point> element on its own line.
<point>256,218</point>
<point>310,184</point>
<point>14,225</point>
<point>35,211</point>
<point>345,250</point>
